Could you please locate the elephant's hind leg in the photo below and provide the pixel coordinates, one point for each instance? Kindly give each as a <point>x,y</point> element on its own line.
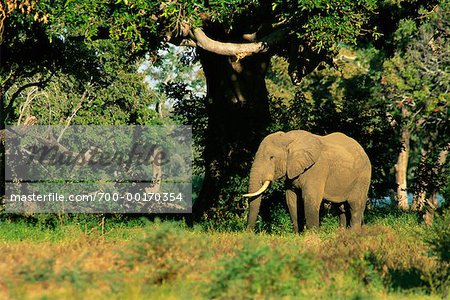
<point>357,202</point>
<point>357,211</point>
<point>343,211</point>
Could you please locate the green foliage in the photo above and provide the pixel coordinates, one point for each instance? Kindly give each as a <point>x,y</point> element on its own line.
<point>337,20</point>
<point>116,96</point>
<point>54,227</point>
<point>40,270</point>
<point>175,76</point>
<point>229,213</point>
<point>438,240</point>
<point>278,81</point>
<point>142,23</point>
<point>446,191</point>
<point>439,237</point>
<point>183,87</point>
<point>403,35</point>
<point>260,272</point>
<point>197,182</point>
<point>43,270</point>
<point>390,216</point>
<point>366,271</point>
<point>414,84</point>
<point>133,22</point>
<point>275,218</point>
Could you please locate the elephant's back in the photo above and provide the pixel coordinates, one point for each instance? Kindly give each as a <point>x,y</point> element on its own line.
<point>350,144</point>
<point>339,138</point>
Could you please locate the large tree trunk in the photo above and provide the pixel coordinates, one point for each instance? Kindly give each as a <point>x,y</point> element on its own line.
<point>401,169</point>
<point>238,115</point>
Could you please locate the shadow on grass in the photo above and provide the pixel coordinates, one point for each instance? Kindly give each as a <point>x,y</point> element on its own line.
<point>406,279</point>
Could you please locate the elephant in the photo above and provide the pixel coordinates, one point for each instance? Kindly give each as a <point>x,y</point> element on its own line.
<point>333,167</point>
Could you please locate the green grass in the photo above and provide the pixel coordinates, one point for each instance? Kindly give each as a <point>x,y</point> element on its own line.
<point>393,257</point>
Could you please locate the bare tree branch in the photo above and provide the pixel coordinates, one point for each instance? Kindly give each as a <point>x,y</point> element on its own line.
<point>236,49</point>
<point>188,43</point>
<point>32,94</point>
<point>229,49</point>
<point>8,108</point>
<point>75,110</point>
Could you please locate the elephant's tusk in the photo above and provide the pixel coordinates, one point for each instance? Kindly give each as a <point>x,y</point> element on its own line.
<point>260,191</point>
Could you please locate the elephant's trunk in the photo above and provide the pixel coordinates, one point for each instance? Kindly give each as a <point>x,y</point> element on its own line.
<point>253,213</point>
<point>256,188</point>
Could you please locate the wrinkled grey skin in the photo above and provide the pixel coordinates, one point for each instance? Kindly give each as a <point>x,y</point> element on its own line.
<point>332,167</point>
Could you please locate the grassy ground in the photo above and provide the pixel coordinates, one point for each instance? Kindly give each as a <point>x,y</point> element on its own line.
<point>389,259</point>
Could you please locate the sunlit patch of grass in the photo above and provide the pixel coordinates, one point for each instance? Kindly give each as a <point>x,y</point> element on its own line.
<point>16,232</point>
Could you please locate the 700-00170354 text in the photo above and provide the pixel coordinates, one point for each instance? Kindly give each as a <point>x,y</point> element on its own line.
<point>99,196</point>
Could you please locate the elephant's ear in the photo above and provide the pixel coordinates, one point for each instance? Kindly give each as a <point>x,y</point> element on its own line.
<point>302,154</point>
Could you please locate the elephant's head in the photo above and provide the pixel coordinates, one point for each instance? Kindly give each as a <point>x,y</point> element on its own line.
<point>280,154</point>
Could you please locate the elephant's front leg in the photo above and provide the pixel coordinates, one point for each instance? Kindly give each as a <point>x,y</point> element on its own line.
<point>291,199</point>
<point>312,208</point>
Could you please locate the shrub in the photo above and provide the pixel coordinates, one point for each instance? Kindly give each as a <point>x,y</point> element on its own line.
<point>79,278</point>
<point>163,253</point>
<point>38,271</point>
<point>260,272</point>
<point>229,212</point>
<point>367,269</point>
<point>438,238</point>
<point>275,217</point>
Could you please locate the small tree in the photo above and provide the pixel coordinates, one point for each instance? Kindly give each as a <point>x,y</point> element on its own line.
<point>416,81</point>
